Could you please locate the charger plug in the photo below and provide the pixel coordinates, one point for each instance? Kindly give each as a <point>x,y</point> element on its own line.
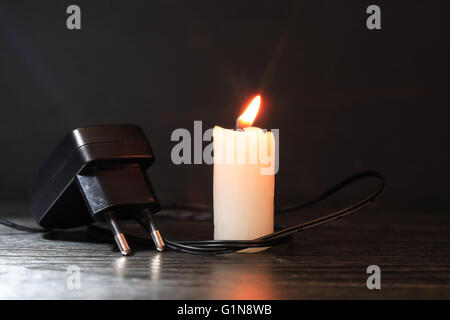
<point>97,173</point>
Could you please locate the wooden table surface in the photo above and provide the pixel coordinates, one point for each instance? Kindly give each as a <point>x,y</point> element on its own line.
<point>412,250</point>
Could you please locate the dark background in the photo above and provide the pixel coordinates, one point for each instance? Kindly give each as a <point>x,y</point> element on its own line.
<point>344,97</point>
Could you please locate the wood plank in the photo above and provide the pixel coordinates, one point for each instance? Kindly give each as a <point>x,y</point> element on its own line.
<point>326,263</point>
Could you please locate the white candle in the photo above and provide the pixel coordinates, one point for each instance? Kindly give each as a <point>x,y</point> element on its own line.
<point>243,184</point>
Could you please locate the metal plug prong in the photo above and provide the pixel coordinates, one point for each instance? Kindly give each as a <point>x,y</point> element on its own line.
<point>118,234</point>
<point>151,226</point>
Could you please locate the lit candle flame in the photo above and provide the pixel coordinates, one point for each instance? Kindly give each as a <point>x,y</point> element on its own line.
<point>246,119</point>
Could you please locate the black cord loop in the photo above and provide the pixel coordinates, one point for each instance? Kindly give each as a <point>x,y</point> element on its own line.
<point>284,235</point>
<point>281,236</point>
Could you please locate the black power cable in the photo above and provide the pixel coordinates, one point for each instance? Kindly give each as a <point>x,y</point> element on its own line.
<point>280,236</point>
<point>16,226</point>
<point>285,234</point>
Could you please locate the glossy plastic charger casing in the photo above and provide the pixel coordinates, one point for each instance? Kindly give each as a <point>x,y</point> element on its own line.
<point>93,170</point>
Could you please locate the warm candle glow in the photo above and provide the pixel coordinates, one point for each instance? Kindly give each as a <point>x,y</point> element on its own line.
<point>246,119</point>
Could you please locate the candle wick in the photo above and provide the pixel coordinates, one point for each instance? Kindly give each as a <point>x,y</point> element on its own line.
<point>239,125</point>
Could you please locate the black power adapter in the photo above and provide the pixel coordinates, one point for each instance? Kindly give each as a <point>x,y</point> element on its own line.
<point>97,173</point>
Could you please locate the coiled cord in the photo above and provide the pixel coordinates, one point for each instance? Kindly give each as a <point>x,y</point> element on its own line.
<point>280,236</point>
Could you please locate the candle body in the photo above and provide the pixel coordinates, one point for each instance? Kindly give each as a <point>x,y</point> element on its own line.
<point>244,184</point>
